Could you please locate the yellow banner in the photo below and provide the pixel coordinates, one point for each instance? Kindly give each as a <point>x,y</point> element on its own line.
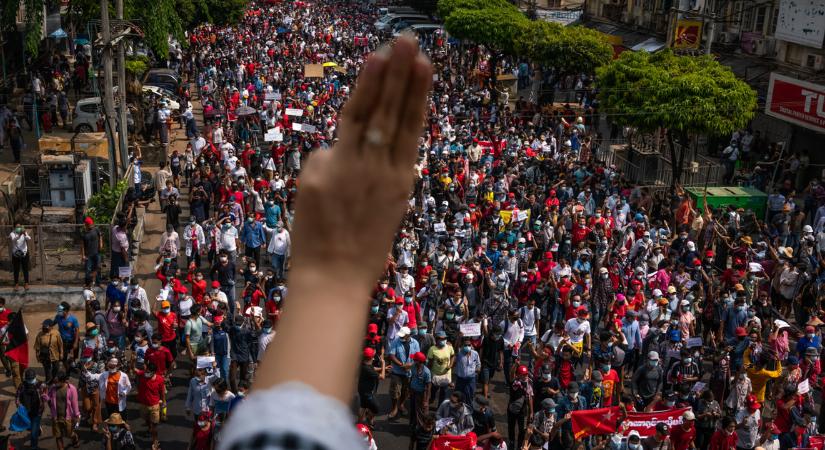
<point>688,34</point>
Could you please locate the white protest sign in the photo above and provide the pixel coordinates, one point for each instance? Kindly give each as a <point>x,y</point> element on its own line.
<point>308,128</point>
<point>205,361</point>
<point>804,387</point>
<point>294,112</point>
<point>272,96</point>
<point>470,329</point>
<point>698,387</point>
<point>694,342</point>
<point>439,227</point>
<point>522,215</point>
<point>124,271</point>
<point>296,126</point>
<point>273,136</point>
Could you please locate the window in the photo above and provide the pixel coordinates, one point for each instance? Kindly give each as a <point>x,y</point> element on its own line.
<point>774,19</point>
<point>759,22</point>
<point>747,19</point>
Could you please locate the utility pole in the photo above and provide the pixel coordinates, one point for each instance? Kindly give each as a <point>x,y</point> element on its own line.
<point>108,95</point>
<point>121,82</point>
<point>711,33</point>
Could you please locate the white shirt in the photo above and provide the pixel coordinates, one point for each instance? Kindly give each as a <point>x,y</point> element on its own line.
<point>279,243</point>
<point>576,330</point>
<point>263,343</point>
<point>217,136</point>
<point>228,239</point>
<point>528,317</point>
<point>514,334</point>
<point>19,242</point>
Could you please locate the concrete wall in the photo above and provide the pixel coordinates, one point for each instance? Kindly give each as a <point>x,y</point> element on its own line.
<point>46,298</point>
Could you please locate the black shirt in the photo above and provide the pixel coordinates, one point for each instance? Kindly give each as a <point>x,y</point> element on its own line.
<point>483,422</point>
<point>91,242</point>
<point>490,351</point>
<point>367,379</point>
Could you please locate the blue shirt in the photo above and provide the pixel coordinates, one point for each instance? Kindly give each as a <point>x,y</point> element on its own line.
<point>253,235</point>
<point>404,356</point>
<point>633,334</point>
<point>67,326</point>
<point>806,342</point>
<point>419,381</point>
<point>733,318</point>
<point>272,215</point>
<point>466,363</point>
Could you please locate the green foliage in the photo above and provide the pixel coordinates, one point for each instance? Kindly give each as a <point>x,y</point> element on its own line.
<point>102,205</point>
<point>136,67</point>
<point>684,94</point>
<point>496,28</point>
<point>500,26</point>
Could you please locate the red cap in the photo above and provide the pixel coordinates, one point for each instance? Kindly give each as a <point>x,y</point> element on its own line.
<point>475,140</point>
<point>810,329</point>
<point>399,300</point>
<point>216,284</point>
<point>740,331</point>
<point>709,254</point>
<point>88,352</point>
<point>372,328</point>
<point>697,262</point>
<point>89,221</point>
<point>552,192</point>
<point>548,255</point>
<point>582,311</point>
<point>511,195</point>
<point>425,171</point>
<point>369,352</point>
<point>419,357</point>
<point>522,370</point>
<point>445,170</point>
<point>472,205</point>
<point>218,319</point>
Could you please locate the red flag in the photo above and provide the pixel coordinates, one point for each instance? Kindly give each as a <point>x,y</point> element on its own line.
<point>645,422</point>
<point>17,347</point>
<point>589,422</point>
<point>450,442</point>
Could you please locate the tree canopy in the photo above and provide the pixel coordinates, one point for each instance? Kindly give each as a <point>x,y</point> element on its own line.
<point>685,94</point>
<point>500,26</point>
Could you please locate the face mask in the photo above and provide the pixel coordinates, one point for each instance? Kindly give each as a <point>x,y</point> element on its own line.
<point>408,300</point>
<point>252,269</point>
<point>267,330</point>
<point>652,363</point>
<point>112,428</point>
<point>149,374</point>
<point>688,360</point>
<point>546,376</point>
<point>203,423</point>
<point>466,349</point>
<point>224,259</point>
<point>810,335</point>
<point>116,309</point>
<point>111,349</point>
<point>573,395</point>
<point>579,320</point>
<point>774,437</point>
<point>155,346</point>
<point>740,308</point>
<point>449,316</point>
<point>634,446</point>
<point>374,309</point>
<point>165,310</point>
<point>441,343</point>
<point>249,220</point>
<point>605,367</point>
<point>576,304</point>
<point>670,403</point>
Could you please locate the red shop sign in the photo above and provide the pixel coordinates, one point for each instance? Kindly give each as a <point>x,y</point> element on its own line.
<point>797,102</point>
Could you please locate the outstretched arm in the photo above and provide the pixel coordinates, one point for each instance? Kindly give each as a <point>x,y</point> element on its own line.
<point>339,244</point>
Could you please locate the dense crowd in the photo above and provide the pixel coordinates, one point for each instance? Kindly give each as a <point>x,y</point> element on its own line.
<point>525,269</point>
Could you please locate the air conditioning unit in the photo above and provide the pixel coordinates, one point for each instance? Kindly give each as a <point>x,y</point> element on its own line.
<point>814,61</point>
<point>758,46</point>
<point>727,37</point>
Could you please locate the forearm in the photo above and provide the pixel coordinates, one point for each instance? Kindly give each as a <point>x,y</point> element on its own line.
<point>330,309</point>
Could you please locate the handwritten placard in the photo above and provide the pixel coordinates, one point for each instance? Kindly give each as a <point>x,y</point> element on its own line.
<point>124,271</point>
<point>294,112</point>
<point>804,387</point>
<point>470,329</point>
<point>439,227</point>
<point>694,342</point>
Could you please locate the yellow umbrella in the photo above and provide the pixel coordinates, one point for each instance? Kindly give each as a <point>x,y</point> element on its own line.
<point>330,64</point>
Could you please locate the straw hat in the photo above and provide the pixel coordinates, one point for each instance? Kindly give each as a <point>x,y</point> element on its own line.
<point>115,419</point>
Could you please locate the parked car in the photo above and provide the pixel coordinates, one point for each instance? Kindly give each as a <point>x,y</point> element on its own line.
<point>165,78</point>
<point>397,10</point>
<point>406,23</point>
<point>385,23</point>
<point>87,112</point>
<point>419,28</point>
<point>152,93</point>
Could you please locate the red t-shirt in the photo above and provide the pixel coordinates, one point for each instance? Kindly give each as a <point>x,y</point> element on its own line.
<point>610,381</point>
<point>721,440</point>
<point>166,326</point>
<point>681,438</point>
<point>4,317</point>
<point>161,356</point>
<point>149,389</point>
<point>565,373</point>
<point>202,439</point>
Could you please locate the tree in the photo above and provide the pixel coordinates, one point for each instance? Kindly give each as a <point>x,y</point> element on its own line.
<point>33,20</point>
<point>682,94</point>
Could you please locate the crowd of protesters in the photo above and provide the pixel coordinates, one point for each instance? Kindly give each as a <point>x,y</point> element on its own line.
<point>525,268</point>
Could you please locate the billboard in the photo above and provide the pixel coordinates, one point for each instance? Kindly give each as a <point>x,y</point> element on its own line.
<point>801,22</point>
<point>688,34</point>
<point>797,102</point>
